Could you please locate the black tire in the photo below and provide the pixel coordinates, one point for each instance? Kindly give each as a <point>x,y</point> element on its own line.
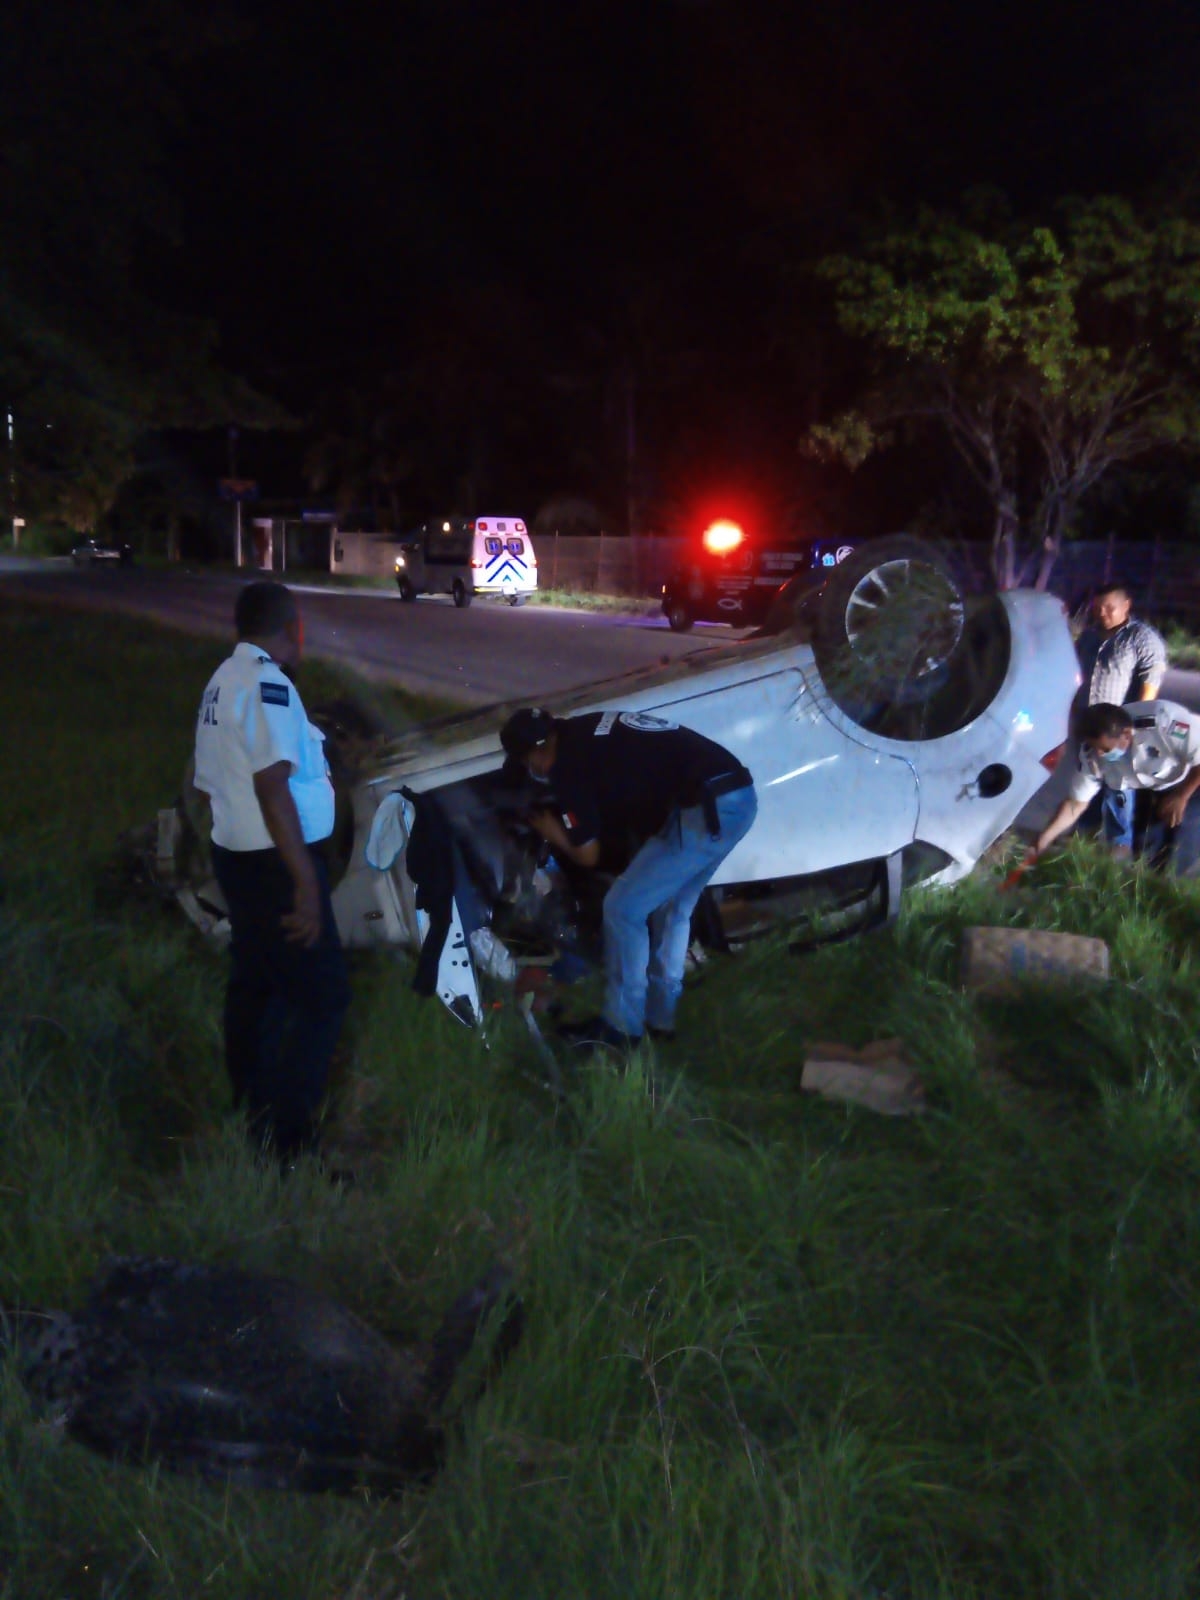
<point>889,624</point>
<point>517,599</point>
<point>462,595</point>
<point>407,593</point>
<point>679,617</point>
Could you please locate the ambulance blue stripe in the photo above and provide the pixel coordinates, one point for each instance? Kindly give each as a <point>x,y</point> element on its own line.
<point>492,574</point>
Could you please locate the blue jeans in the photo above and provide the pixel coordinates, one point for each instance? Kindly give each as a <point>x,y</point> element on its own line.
<point>1117,810</point>
<point>648,911</point>
<point>1176,849</point>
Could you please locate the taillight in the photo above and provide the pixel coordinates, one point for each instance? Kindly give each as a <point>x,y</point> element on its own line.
<point>476,563</point>
<point>1052,757</point>
<point>482,526</point>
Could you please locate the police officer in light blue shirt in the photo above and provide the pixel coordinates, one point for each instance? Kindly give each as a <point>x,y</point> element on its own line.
<point>262,765</point>
<point>1154,745</point>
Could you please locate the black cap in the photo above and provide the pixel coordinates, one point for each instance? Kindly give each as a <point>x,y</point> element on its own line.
<point>525,730</point>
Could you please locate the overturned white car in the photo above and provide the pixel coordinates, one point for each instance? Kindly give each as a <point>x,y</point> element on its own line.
<point>894,726</point>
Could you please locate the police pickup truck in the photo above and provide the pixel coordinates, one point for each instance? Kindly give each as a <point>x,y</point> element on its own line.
<point>732,578</point>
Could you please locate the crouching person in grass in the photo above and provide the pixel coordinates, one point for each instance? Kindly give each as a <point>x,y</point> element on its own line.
<point>262,765</point>
<point>1153,745</point>
<point>684,799</point>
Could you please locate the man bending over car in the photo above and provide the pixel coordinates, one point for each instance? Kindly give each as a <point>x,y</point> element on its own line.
<point>684,800</point>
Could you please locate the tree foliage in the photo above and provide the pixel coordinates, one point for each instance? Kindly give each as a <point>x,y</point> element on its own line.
<point>1047,351</point>
<point>89,359</point>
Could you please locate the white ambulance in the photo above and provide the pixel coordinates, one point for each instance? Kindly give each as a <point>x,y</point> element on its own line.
<point>466,556</point>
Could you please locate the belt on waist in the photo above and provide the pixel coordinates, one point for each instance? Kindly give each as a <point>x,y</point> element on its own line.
<point>711,790</point>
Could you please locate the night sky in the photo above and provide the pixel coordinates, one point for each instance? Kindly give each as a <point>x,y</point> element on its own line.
<point>345,162</point>
<point>535,186</point>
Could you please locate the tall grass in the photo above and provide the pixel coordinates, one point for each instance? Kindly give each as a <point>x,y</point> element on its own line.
<point>774,1346</point>
<point>1183,647</point>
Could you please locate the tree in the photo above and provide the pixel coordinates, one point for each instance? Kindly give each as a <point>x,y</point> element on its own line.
<point>1046,351</point>
<point>364,452</point>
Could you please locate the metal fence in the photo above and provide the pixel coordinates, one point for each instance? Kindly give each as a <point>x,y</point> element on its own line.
<point>1162,577</point>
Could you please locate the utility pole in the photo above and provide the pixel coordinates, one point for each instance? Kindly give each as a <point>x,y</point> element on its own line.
<point>237,503</point>
<point>631,469</point>
<point>631,451</point>
<point>17,522</point>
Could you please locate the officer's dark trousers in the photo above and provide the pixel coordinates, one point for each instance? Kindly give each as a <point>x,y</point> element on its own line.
<point>284,1005</point>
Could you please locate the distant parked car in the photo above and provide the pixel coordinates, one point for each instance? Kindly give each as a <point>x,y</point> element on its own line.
<point>92,551</point>
<point>731,577</point>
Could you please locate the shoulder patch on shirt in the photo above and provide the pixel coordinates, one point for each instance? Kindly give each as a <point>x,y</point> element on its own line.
<point>1179,730</point>
<point>1145,722</point>
<point>645,723</point>
<point>274,694</point>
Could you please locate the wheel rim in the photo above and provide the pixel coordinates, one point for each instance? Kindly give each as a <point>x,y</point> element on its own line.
<point>907,616</point>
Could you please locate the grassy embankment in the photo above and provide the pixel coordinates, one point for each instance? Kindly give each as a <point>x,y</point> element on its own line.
<point>1183,647</point>
<point>774,1347</point>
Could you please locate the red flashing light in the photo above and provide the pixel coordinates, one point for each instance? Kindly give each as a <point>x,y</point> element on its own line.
<point>722,537</point>
<point>482,526</point>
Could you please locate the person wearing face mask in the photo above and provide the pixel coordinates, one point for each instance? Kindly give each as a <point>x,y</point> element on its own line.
<point>682,799</point>
<point>1152,745</point>
<point>262,765</point>
<point>1121,659</point>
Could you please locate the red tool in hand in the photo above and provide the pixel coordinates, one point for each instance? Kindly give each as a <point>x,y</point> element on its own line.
<point>1019,871</point>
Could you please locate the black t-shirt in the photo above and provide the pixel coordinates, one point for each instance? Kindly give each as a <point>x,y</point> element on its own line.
<point>621,773</point>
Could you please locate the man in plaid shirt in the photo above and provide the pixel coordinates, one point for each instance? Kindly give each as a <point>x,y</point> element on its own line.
<point>1122,660</point>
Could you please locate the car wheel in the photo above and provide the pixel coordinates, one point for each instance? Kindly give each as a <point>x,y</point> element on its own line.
<point>462,595</point>
<point>890,621</point>
<point>407,593</point>
<point>679,617</point>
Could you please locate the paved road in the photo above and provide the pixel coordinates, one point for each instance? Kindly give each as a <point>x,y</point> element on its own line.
<point>486,653</point>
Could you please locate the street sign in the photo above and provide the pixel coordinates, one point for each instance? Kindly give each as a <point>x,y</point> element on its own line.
<point>237,489</point>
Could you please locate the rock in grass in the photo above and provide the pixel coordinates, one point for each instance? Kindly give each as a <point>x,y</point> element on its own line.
<point>877,1076</point>
<point>235,1375</point>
